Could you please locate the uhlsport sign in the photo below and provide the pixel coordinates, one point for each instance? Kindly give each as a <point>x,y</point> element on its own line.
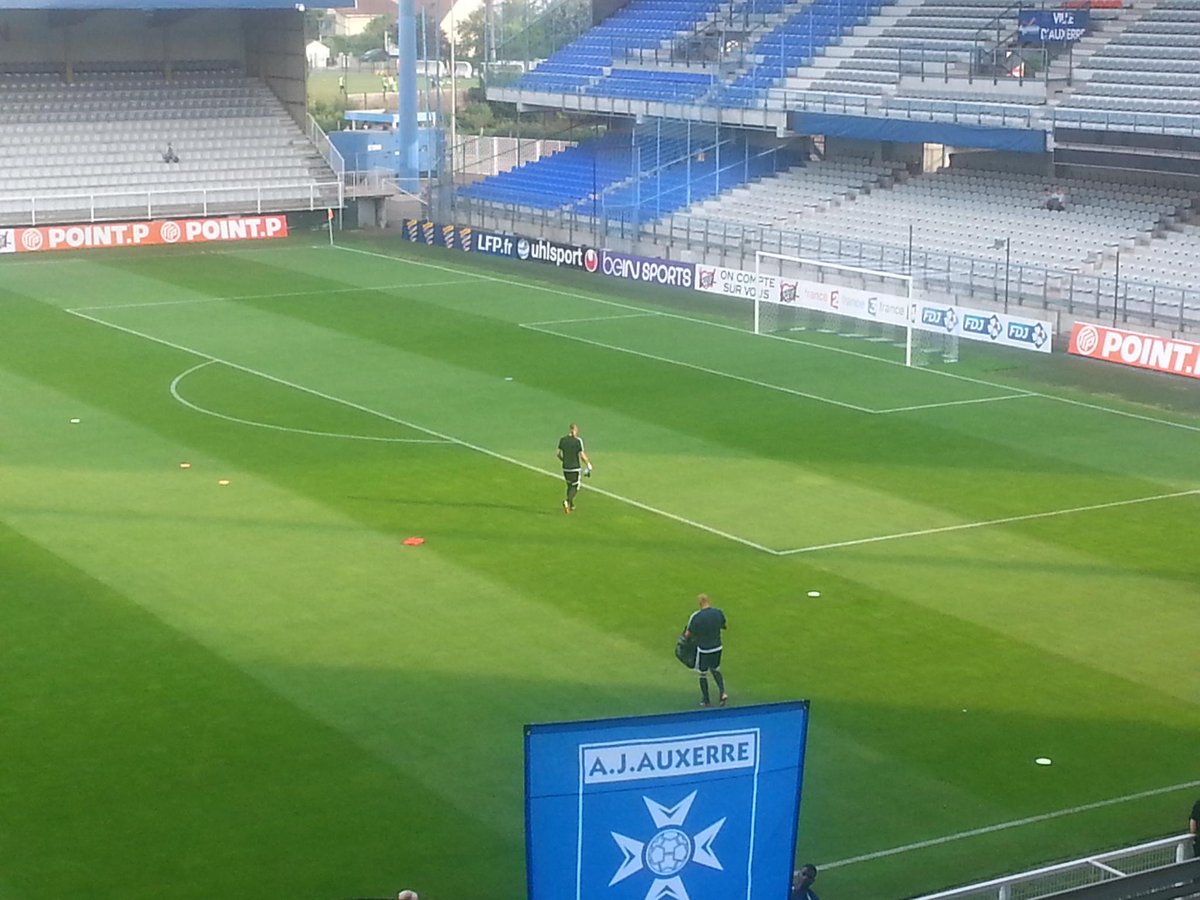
<point>687,806</point>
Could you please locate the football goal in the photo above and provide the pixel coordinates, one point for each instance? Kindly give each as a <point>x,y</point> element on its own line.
<point>799,294</point>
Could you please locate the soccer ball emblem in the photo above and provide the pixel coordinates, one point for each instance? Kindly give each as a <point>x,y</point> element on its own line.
<point>668,852</point>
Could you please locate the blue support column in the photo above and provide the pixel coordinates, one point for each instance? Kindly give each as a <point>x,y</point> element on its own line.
<point>406,86</point>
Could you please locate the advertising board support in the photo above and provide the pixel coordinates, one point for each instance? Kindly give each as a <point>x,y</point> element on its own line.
<point>1116,284</point>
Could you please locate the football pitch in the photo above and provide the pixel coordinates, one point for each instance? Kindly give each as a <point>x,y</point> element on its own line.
<point>225,675</point>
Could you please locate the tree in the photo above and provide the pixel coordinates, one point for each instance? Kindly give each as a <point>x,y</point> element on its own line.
<point>520,31</point>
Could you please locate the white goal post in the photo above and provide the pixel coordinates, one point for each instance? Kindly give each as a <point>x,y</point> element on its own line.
<point>798,293</point>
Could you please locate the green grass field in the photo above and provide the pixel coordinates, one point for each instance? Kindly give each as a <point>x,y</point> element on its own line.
<point>256,690</point>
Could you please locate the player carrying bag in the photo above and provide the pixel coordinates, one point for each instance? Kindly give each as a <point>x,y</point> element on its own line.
<point>685,650</point>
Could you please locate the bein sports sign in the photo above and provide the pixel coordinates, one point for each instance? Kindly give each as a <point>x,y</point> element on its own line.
<point>688,805</point>
<point>141,234</point>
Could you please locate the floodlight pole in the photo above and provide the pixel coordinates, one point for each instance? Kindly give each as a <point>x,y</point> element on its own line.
<point>406,96</point>
<point>453,92</point>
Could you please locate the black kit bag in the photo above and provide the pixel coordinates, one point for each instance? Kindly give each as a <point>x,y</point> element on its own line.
<point>685,650</point>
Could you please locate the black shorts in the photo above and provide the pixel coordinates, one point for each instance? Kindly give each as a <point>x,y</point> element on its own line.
<point>572,477</point>
<point>708,660</point>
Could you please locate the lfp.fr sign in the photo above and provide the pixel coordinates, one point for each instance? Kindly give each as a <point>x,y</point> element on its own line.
<point>689,806</point>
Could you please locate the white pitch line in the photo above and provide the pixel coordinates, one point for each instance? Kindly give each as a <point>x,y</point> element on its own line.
<point>1003,826</point>
<point>984,524</point>
<point>709,371</point>
<point>437,434</point>
<point>899,409</point>
<point>532,285</point>
<point>332,434</point>
<point>277,296</point>
<point>641,315</point>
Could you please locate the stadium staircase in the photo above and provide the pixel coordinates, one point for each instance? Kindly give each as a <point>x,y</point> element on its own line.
<point>93,146</point>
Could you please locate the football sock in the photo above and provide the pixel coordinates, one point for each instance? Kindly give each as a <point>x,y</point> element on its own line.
<point>704,688</point>
<point>720,679</point>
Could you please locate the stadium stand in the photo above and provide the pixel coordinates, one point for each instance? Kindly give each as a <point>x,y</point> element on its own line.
<point>1146,78</point>
<point>639,25</point>
<point>801,189</point>
<point>972,213</point>
<point>794,43</point>
<point>873,58</point>
<point>1110,138</point>
<point>94,146</point>
<point>561,179</point>
<point>632,177</point>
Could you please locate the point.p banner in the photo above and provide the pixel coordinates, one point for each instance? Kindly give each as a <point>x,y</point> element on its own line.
<point>687,806</point>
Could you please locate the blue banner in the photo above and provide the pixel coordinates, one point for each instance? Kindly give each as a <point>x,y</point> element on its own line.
<point>1058,26</point>
<point>684,806</point>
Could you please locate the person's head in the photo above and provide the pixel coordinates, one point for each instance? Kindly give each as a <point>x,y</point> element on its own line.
<point>806,875</point>
<point>703,602</point>
<point>407,895</point>
<point>573,430</point>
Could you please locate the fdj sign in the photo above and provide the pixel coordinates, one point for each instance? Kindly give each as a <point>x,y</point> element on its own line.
<point>686,806</point>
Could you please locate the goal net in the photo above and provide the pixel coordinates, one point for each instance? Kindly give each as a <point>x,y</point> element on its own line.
<point>799,294</point>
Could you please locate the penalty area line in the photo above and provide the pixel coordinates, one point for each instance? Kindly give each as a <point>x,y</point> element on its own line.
<point>447,438</point>
<point>900,409</point>
<point>697,368</point>
<point>966,526</point>
<point>1003,826</point>
<point>366,289</point>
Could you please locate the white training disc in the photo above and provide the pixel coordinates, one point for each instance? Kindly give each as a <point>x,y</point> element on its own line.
<point>74,421</point>
<point>814,593</point>
<point>1043,761</point>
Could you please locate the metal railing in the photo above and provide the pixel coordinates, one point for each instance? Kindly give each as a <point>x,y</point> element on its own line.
<point>1076,873</point>
<point>1125,120</point>
<point>99,206</point>
<point>329,153</point>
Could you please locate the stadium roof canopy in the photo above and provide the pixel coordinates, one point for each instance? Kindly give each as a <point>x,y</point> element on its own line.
<point>173,4</point>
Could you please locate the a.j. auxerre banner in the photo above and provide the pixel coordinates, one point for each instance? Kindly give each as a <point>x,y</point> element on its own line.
<point>1003,329</point>
<point>141,234</point>
<point>1129,348</point>
<point>688,806</point>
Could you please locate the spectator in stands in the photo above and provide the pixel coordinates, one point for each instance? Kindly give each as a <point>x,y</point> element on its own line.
<point>169,155</point>
<point>802,881</point>
<point>1056,199</point>
<point>1194,828</point>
